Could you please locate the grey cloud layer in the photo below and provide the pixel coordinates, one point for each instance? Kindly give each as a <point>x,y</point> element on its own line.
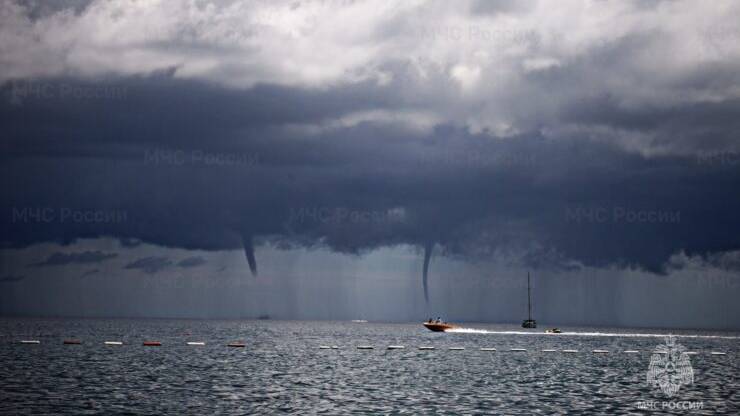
<point>85,257</point>
<point>191,262</point>
<point>149,264</point>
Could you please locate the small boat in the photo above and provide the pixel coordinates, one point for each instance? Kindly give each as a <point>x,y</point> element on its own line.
<point>438,326</point>
<point>553,331</point>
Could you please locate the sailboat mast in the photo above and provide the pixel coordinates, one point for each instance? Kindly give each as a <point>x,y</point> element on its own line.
<point>529,299</point>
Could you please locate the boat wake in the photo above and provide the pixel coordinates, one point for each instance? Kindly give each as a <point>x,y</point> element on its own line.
<point>586,334</point>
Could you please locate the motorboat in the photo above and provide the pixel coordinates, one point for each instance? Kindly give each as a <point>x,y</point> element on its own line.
<point>438,326</point>
<point>553,331</point>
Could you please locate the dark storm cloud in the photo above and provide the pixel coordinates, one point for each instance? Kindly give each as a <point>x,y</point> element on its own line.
<point>149,265</point>
<point>85,257</point>
<point>353,188</point>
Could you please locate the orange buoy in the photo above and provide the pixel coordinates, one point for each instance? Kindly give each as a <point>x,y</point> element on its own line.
<point>152,344</point>
<point>72,342</point>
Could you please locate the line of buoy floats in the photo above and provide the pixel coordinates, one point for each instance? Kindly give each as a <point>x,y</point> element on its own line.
<point>239,344</point>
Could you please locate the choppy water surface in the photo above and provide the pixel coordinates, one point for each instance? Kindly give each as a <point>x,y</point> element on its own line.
<point>283,369</point>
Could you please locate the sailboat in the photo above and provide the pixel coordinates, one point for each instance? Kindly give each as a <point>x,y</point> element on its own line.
<point>529,322</point>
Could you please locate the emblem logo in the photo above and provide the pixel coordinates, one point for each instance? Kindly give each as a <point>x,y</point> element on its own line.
<point>670,367</point>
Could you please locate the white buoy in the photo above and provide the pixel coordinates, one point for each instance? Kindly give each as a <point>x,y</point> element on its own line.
<point>30,341</point>
<point>324,347</point>
<point>631,352</point>
<point>718,353</point>
<point>396,347</point>
<point>549,350</point>
<point>113,343</point>
<point>570,351</point>
<point>600,352</point>
<point>426,348</point>
<point>457,348</point>
<point>365,347</point>
<point>488,349</point>
<point>517,350</point>
<point>196,343</point>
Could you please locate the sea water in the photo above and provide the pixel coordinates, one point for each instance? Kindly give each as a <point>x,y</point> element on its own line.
<point>283,369</point>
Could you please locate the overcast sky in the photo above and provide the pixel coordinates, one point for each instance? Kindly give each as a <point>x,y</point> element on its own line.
<point>316,159</point>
